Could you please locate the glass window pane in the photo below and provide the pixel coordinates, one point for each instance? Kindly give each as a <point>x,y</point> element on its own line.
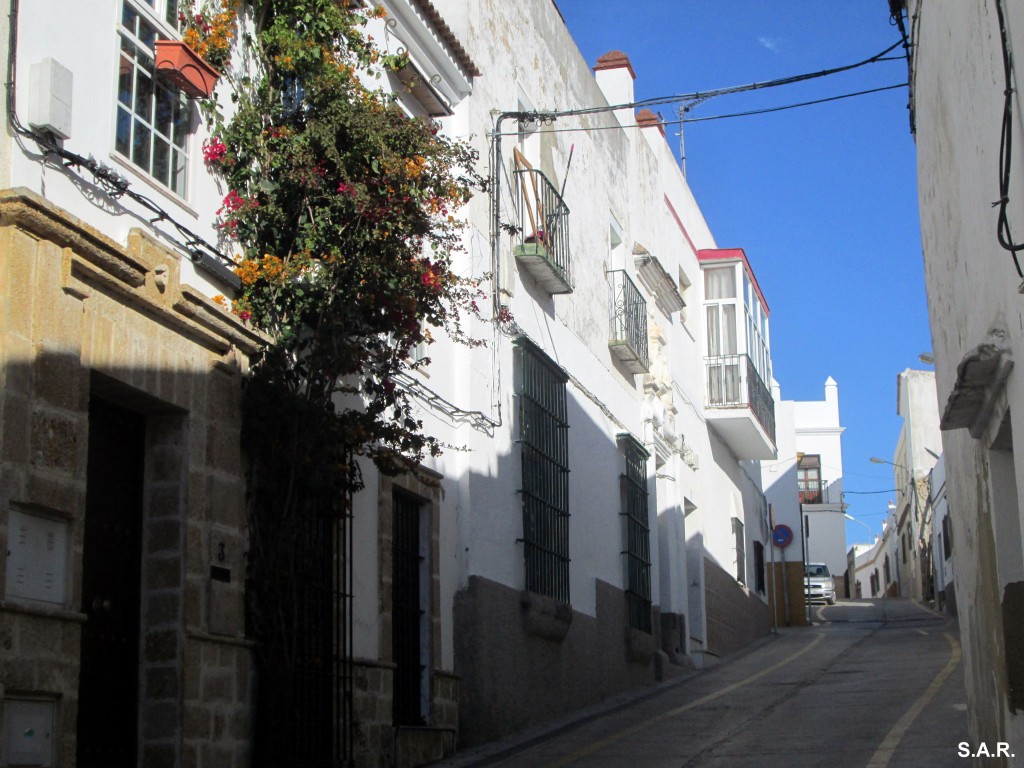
<point>123,139</point>
<point>728,329</point>
<point>125,77</point>
<point>143,96</point>
<point>147,34</point>
<point>165,104</point>
<point>140,145</point>
<point>714,331</point>
<point>178,173</point>
<point>182,122</point>
<point>161,160</point>
<point>720,283</point>
<point>129,18</point>
<point>171,15</point>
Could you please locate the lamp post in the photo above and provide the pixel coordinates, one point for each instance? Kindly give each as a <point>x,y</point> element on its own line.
<point>860,522</point>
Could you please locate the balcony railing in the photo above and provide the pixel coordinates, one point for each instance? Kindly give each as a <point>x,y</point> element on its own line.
<point>543,241</point>
<point>733,381</point>
<point>627,315</point>
<point>810,495</point>
<point>822,493</point>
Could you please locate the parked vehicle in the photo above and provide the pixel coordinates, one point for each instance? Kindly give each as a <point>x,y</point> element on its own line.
<point>818,585</point>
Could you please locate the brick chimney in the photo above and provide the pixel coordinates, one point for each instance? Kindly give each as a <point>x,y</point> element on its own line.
<point>615,76</point>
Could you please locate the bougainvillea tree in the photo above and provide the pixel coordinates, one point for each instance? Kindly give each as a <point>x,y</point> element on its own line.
<point>343,209</point>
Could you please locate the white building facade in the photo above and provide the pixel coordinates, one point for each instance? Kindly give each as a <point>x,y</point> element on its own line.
<point>917,450</point>
<point>599,523</point>
<point>804,488</point>
<point>819,469</point>
<point>964,87</point>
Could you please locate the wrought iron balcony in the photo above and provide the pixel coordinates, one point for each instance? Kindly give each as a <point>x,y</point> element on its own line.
<point>543,245</point>
<point>735,385</point>
<point>627,315</point>
<point>810,495</point>
<point>821,492</point>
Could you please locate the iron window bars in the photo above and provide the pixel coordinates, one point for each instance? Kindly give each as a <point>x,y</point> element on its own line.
<point>636,533</point>
<point>544,447</point>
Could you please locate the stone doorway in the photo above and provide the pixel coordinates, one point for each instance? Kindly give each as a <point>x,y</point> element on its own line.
<point>111,589</point>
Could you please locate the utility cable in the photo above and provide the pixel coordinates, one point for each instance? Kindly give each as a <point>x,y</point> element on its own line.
<point>783,108</point>
<point>110,181</point>
<point>701,96</point>
<point>1006,147</point>
<point>748,113</point>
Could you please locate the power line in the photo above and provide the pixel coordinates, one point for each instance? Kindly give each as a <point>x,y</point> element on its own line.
<point>702,96</point>
<point>730,115</point>
<point>787,106</point>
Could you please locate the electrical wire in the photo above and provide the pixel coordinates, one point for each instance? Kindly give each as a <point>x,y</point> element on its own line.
<point>702,96</point>
<point>748,113</point>
<point>1003,233</point>
<point>767,110</point>
<point>110,181</point>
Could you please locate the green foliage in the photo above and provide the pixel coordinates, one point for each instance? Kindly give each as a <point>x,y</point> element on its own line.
<point>343,208</point>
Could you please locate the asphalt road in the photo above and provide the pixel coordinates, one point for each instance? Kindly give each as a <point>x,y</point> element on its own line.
<point>873,683</point>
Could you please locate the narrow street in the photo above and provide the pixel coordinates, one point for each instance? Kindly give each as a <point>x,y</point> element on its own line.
<point>873,683</point>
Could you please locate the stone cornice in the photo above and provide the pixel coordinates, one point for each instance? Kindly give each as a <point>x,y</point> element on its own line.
<point>145,275</point>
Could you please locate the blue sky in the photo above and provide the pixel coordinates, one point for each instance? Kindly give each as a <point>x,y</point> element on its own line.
<point>823,199</point>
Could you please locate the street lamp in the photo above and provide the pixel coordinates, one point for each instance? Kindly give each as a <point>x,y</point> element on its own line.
<point>876,460</point>
<point>861,522</point>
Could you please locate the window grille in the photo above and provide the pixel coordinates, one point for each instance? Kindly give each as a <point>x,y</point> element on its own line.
<point>153,120</point>
<point>544,443</point>
<point>741,555</point>
<point>636,534</point>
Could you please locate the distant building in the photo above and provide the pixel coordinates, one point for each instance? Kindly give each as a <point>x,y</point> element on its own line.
<point>874,566</point>
<point>819,478</point>
<point>916,452</point>
<point>804,486</point>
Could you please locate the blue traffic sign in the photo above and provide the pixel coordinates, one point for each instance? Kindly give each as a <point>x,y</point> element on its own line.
<point>782,535</point>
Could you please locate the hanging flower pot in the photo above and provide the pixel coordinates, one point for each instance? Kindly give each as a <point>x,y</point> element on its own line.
<point>185,68</point>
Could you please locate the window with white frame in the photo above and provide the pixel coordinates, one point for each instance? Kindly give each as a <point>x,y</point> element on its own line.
<point>757,329</point>
<point>154,120</point>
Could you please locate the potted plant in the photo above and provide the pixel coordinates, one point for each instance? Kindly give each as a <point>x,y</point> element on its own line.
<point>195,62</point>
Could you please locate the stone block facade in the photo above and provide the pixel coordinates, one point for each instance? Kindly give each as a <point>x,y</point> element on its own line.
<point>380,739</point>
<point>86,321</point>
<point>735,615</point>
<point>541,672</point>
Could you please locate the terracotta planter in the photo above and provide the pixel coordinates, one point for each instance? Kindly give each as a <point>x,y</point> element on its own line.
<point>185,68</point>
